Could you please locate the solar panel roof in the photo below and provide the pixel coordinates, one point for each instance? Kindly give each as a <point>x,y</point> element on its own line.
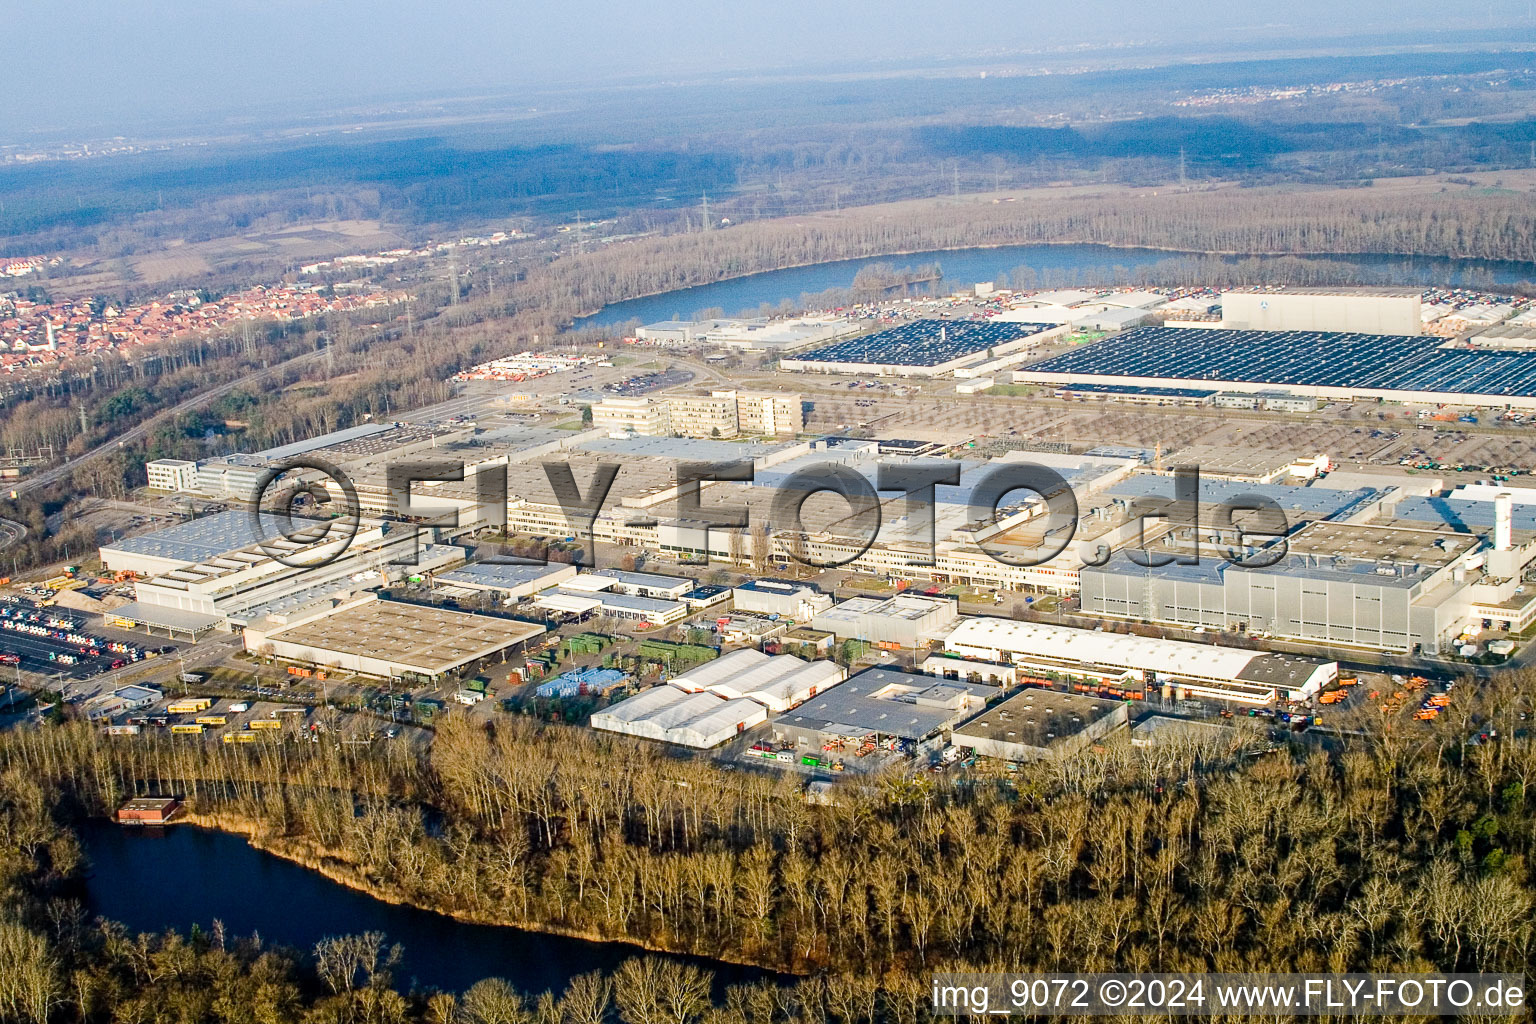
<point>922,342</point>
<point>1305,358</point>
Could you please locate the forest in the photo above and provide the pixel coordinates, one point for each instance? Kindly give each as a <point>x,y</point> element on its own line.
<point>1402,849</point>
<point>789,145</point>
<point>1465,223</point>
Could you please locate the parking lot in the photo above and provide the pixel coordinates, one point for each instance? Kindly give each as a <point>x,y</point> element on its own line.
<point>54,643</point>
<point>648,382</point>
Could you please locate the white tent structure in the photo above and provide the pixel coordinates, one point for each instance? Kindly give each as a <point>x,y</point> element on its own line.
<point>671,715</point>
<point>782,682</point>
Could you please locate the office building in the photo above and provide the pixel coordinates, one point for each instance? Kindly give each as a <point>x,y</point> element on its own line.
<point>176,475</point>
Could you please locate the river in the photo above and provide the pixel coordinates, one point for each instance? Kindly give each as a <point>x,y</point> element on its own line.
<point>155,879</point>
<point>1054,265</point>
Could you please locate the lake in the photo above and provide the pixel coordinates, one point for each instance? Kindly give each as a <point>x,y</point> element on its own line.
<point>153,879</point>
<point>1054,265</point>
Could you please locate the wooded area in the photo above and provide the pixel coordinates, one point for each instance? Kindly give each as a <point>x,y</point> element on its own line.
<point>1290,221</point>
<point>1402,851</point>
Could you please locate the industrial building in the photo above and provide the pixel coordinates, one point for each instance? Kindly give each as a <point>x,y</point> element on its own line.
<point>641,584</point>
<point>784,598</point>
<point>513,581</point>
<point>1400,585</point>
<point>643,512</point>
<point>1320,364</point>
<point>707,595</point>
<point>1356,310</point>
<point>672,715</point>
<point>885,708</point>
<point>750,629</point>
<point>778,682</point>
<point>905,620</point>
<point>1038,723</point>
<point>589,594</point>
<point>232,568</point>
<point>758,335</point>
<point>923,348</point>
<point>1123,662</point>
<point>390,639</point>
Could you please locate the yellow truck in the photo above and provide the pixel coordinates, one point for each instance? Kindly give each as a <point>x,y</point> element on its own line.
<point>187,729</point>
<point>266,723</point>
<point>190,706</point>
<point>240,737</point>
<point>211,720</point>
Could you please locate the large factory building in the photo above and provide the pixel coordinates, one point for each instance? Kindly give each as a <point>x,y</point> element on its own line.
<point>1356,311</point>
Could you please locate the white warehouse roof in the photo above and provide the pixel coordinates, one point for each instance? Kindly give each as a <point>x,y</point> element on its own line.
<point>1068,643</point>
<point>674,716</point>
<point>711,673</point>
<point>781,683</point>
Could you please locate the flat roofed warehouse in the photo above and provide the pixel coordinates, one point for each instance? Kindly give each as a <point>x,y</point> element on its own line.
<point>198,540</point>
<point>510,578</point>
<point>1190,669</point>
<point>1040,723</point>
<point>883,704</point>
<point>1324,363</point>
<point>389,638</point>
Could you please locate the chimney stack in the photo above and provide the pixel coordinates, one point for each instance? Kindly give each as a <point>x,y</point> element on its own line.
<point>1503,521</point>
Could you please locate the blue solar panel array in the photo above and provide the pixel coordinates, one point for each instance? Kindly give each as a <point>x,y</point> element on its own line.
<point>1304,358</point>
<point>922,343</point>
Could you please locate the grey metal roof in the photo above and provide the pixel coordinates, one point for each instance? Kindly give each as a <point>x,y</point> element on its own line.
<point>685,448</point>
<point>201,539</point>
<point>643,579</point>
<point>287,451</point>
<point>501,575</point>
<point>848,709</point>
<point>628,602</point>
<point>1315,502</point>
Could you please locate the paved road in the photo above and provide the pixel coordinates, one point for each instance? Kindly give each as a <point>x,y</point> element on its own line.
<point>11,533</point>
<point>132,434</point>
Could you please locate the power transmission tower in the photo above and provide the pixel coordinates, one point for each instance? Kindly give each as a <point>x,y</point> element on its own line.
<point>704,221</point>
<point>957,179</point>
<point>453,273</point>
<point>1181,167</point>
<point>84,426</point>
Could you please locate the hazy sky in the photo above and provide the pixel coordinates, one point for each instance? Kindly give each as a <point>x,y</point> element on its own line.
<point>100,64</point>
